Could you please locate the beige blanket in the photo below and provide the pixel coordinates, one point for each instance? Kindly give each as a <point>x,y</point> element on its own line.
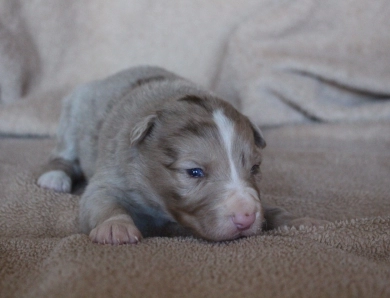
<point>49,46</point>
<point>281,62</point>
<point>335,172</point>
<point>294,61</point>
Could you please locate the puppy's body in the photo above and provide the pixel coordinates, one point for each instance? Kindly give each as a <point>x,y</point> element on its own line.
<point>161,156</point>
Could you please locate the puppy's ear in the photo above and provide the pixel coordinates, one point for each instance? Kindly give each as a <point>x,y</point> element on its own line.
<point>258,135</point>
<point>142,129</point>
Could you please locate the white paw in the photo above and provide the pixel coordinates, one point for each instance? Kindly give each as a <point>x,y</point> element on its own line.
<point>116,232</point>
<point>55,180</point>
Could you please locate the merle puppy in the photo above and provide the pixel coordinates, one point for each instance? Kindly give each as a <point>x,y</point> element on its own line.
<point>162,157</point>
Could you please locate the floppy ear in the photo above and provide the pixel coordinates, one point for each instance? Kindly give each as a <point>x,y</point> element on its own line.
<point>258,135</point>
<point>142,129</point>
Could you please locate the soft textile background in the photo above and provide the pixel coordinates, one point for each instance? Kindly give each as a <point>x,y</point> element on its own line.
<point>49,46</point>
<point>279,61</point>
<point>334,172</point>
<point>320,60</point>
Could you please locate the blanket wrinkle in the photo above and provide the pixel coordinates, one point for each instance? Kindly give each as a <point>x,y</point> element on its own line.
<point>278,61</point>
<point>320,65</point>
<point>310,60</point>
<point>49,47</point>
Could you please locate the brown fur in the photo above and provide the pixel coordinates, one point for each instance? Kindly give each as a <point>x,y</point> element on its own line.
<point>135,135</point>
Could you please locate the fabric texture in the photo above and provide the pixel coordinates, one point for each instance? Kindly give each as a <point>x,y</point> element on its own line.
<point>310,60</point>
<point>47,47</point>
<point>334,172</point>
<point>280,62</point>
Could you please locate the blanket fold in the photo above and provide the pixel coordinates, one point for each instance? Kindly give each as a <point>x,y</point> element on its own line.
<point>47,47</point>
<point>294,61</point>
<point>285,61</point>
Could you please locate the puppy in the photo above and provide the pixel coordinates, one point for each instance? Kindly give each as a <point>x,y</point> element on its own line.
<point>162,157</point>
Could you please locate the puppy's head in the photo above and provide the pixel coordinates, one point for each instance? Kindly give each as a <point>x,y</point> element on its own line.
<point>202,159</point>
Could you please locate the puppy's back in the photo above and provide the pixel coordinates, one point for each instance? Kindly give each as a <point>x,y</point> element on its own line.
<point>85,110</point>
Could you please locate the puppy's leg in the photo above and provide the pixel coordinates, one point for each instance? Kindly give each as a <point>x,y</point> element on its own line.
<point>63,166</point>
<point>104,218</point>
<point>276,217</point>
<point>58,174</point>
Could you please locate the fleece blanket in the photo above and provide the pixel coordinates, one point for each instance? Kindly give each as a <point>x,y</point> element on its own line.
<point>279,61</point>
<point>310,60</point>
<point>49,46</point>
<point>334,172</point>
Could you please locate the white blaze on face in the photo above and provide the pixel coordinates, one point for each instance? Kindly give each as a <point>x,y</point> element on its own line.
<point>226,131</point>
<point>242,200</point>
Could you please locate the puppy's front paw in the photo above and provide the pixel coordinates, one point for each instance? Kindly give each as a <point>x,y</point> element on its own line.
<point>56,180</point>
<point>116,232</point>
<point>308,222</point>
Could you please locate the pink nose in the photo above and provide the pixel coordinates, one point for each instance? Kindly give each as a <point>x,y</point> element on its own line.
<point>243,221</point>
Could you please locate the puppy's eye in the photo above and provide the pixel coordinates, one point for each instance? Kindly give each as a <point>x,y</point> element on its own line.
<point>255,169</point>
<point>195,173</point>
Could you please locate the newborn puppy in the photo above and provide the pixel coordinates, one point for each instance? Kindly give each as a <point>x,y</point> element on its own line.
<point>162,157</point>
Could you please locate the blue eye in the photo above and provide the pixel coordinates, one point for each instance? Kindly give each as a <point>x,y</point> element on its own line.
<point>195,173</point>
<point>255,169</point>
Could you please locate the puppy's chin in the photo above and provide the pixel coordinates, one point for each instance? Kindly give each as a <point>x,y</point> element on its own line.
<point>224,213</point>
<point>221,229</point>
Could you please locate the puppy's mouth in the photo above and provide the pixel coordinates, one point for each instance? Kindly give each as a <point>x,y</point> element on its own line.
<point>227,231</point>
<point>232,236</point>
<point>228,220</point>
